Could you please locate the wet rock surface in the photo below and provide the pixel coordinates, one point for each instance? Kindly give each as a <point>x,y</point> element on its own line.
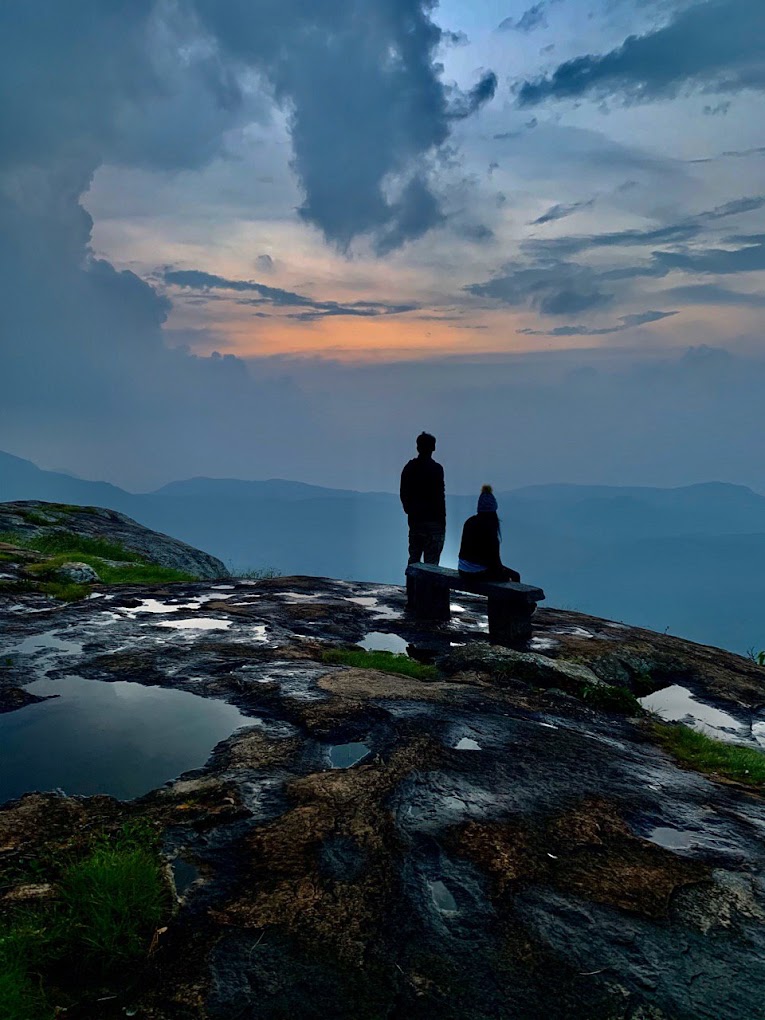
<point>477,844</point>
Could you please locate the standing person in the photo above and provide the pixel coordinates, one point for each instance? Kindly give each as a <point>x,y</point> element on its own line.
<point>479,550</point>
<point>423,498</point>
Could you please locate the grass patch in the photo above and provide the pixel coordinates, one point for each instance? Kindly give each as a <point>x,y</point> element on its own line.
<point>64,591</point>
<point>141,573</point>
<point>716,757</point>
<point>386,662</point>
<point>611,699</point>
<point>109,573</point>
<point>108,906</point>
<point>54,543</point>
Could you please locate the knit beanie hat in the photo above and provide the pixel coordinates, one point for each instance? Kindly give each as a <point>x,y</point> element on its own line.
<point>487,501</point>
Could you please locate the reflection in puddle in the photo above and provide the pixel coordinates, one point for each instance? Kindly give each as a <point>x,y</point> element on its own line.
<point>442,898</point>
<point>677,704</point>
<point>119,738</point>
<point>671,839</point>
<point>46,643</point>
<point>467,744</point>
<point>377,641</point>
<point>342,756</point>
<point>198,623</point>
<point>184,875</point>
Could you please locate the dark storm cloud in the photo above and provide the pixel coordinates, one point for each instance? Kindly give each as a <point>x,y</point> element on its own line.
<point>195,279</point>
<point>160,86</point>
<point>366,100</point>
<point>625,322</point>
<point>715,46</point>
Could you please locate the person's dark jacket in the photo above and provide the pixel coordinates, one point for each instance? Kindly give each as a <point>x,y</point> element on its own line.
<point>480,542</point>
<point>423,495</point>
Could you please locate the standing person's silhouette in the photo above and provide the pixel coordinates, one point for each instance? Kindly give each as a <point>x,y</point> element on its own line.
<point>423,498</point>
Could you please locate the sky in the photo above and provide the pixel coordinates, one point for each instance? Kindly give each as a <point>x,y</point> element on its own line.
<point>256,239</point>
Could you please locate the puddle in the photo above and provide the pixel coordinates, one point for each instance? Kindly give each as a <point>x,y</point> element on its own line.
<point>119,738</point>
<point>467,744</point>
<point>442,898</point>
<point>184,875</point>
<point>342,756</point>
<point>223,587</point>
<point>198,623</point>
<point>377,641</point>
<point>455,608</point>
<point>379,612</point>
<point>150,606</point>
<point>542,644</point>
<point>677,704</point>
<point>671,839</point>
<point>46,643</point>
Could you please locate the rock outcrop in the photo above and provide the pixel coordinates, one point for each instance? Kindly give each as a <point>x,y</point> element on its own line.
<point>499,848</point>
<point>31,518</point>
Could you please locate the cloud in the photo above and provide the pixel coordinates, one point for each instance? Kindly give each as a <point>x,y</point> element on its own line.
<point>366,103</point>
<point>687,229</point>
<point>195,279</point>
<point>705,261</point>
<point>713,294</point>
<point>533,17</point>
<point>625,322</point>
<point>559,212</point>
<point>556,288</point>
<point>714,46</point>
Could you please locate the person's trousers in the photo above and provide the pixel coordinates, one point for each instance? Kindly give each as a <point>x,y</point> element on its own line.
<point>426,540</point>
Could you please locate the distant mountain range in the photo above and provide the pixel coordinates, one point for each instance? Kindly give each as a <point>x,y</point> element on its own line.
<point>688,560</point>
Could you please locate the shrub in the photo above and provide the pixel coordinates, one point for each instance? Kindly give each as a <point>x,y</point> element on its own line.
<point>611,699</point>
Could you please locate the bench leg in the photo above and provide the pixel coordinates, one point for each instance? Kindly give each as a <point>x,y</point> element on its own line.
<point>509,624</point>
<point>428,598</point>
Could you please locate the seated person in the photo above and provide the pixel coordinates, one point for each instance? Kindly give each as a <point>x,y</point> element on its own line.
<point>479,551</point>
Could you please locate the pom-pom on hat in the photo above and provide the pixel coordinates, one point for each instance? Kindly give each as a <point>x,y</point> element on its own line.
<point>487,502</point>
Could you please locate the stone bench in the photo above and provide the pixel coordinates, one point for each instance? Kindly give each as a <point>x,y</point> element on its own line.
<point>511,605</point>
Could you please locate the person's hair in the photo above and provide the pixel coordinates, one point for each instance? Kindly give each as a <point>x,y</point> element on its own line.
<point>426,443</point>
<point>487,489</point>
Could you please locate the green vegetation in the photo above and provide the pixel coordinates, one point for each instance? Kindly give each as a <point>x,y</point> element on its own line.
<point>386,662</point>
<point>258,573</point>
<point>61,547</point>
<point>105,911</point>
<point>123,573</point>
<point>57,542</point>
<point>697,750</point>
<point>64,591</point>
<point>611,699</point>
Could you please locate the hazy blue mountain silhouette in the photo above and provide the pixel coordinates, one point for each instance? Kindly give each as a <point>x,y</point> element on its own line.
<point>690,559</point>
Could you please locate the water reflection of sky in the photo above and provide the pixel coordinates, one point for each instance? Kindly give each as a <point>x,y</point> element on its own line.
<point>119,738</point>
